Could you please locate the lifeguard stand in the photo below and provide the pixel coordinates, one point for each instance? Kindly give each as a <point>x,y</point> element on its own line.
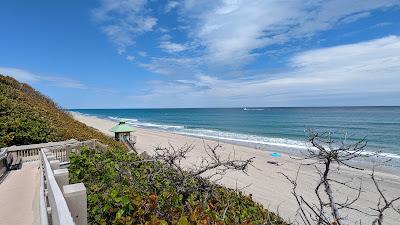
<point>122,132</point>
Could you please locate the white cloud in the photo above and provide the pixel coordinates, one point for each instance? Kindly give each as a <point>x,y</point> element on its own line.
<point>364,52</point>
<point>231,30</point>
<point>230,33</point>
<point>63,82</point>
<point>165,37</point>
<point>130,58</point>
<point>172,65</point>
<point>163,30</point>
<point>20,75</point>
<point>355,17</point>
<point>172,47</point>
<point>29,77</point>
<point>353,74</point>
<point>123,20</point>
<point>142,54</point>
<point>171,5</point>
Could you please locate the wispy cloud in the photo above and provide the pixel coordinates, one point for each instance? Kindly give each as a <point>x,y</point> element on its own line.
<point>30,77</point>
<point>212,39</point>
<point>123,20</point>
<point>232,30</point>
<point>19,74</point>
<point>172,47</point>
<point>171,5</point>
<point>142,54</point>
<point>130,58</point>
<point>355,17</point>
<point>353,72</point>
<point>172,65</point>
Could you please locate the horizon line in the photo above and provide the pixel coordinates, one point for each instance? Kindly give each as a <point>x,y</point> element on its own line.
<point>238,107</point>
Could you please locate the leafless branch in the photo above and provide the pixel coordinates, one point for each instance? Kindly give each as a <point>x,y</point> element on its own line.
<point>324,152</point>
<point>384,205</point>
<point>211,165</point>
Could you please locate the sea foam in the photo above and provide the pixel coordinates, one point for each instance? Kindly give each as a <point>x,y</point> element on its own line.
<point>285,145</point>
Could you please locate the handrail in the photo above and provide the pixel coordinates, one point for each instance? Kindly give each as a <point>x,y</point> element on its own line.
<point>130,146</point>
<point>62,152</point>
<point>52,182</point>
<point>133,139</point>
<point>37,146</point>
<point>61,149</point>
<point>59,208</point>
<point>42,201</point>
<point>3,162</point>
<point>3,154</point>
<point>32,152</point>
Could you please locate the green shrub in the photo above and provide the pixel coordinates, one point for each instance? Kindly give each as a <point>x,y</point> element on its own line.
<point>28,117</point>
<point>125,189</point>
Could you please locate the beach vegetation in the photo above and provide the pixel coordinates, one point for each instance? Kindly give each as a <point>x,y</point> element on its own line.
<point>29,117</point>
<point>126,188</point>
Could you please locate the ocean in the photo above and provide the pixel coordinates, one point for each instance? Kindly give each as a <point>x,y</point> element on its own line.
<point>276,129</point>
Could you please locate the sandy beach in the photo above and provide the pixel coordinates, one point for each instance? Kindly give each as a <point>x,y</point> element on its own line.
<point>264,181</point>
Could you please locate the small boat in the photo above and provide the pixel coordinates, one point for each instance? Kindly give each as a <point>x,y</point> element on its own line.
<point>253,109</point>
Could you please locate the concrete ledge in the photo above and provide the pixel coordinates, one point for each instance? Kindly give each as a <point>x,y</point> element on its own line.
<point>50,157</point>
<point>62,177</point>
<point>75,196</point>
<point>54,164</point>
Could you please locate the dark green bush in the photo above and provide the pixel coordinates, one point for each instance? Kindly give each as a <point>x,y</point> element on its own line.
<point>124,189</point>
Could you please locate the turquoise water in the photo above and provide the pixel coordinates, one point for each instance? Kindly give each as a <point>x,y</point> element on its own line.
<point>282,129</point>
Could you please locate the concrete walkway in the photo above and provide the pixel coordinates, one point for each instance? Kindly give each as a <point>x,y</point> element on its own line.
<point>19,196</point>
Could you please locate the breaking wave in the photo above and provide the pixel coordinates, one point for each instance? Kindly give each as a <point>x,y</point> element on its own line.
<point>245,139</point>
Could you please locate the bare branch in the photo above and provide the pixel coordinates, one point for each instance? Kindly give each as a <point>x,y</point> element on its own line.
<point>208,167</point>
<point>323,153</point>
<point>387,204</point>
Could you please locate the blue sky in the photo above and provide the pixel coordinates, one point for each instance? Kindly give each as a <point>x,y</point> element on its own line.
<point>148,53</point>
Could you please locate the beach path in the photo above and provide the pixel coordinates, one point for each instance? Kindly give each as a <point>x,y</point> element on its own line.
<point>19,196</point>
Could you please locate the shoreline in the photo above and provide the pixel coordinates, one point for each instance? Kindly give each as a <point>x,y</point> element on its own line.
<point>391,165</point>
<point>264,182</point>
